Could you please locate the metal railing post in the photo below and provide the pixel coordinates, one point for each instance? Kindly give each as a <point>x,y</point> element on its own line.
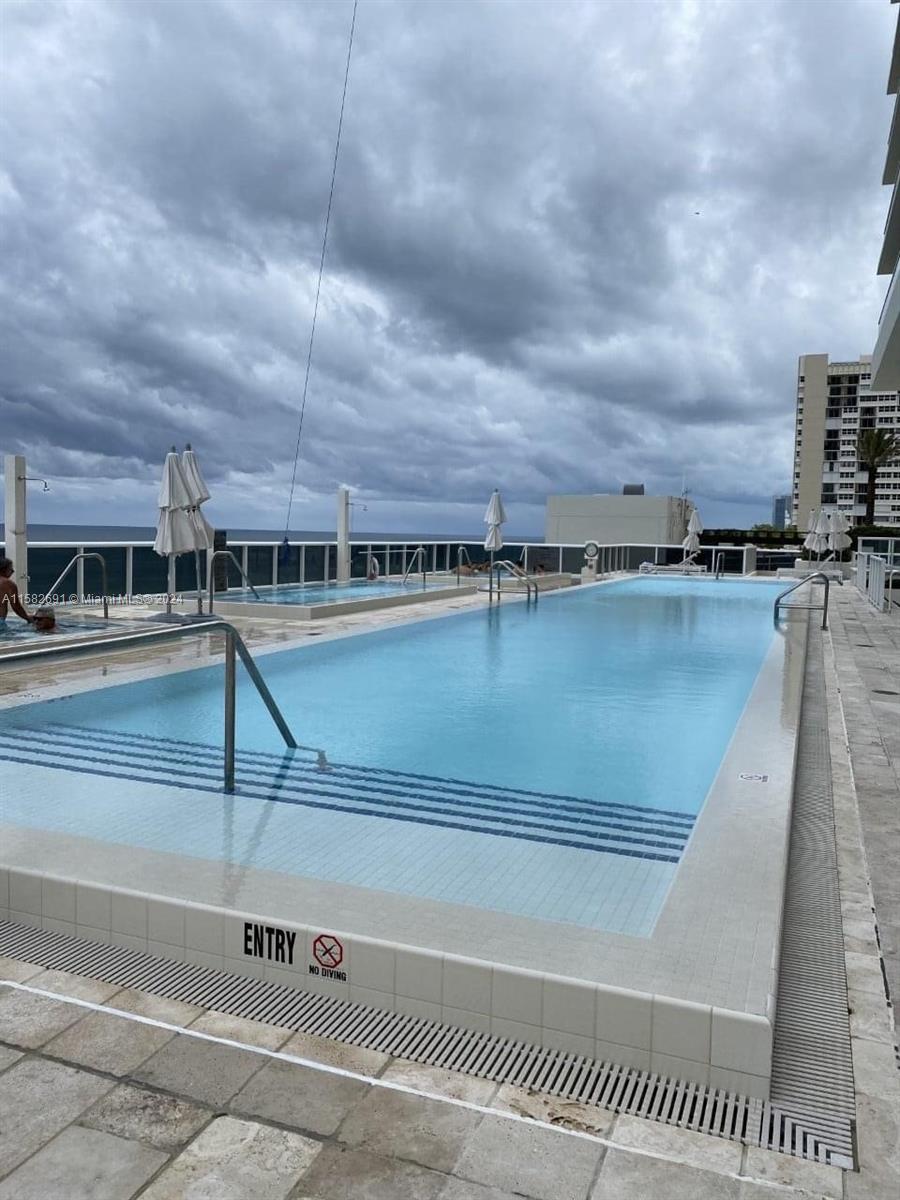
<point>211,573</point>
<point>800,582</point>
<point>230,708</point>
<point>78,562</point>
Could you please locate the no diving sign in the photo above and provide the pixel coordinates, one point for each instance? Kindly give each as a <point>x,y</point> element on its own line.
<point>328,952</point>
<point>753,777</point>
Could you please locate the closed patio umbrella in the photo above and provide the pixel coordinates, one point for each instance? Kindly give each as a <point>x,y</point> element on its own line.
<point>494,517</point>
<point>203,532</point>
<point>816,541</point>
<point>174,532</point>
<point>691,544</point>
<point>837,532</point>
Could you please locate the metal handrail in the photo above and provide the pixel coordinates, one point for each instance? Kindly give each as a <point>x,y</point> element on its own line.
<point>815,607</point>
<point>517,572</point>
<point>720,562</point>
<point>234,646</point>
<point>419,553</point>
<point>104,579</point>
<point>211,574</point>
<point>460,551</point>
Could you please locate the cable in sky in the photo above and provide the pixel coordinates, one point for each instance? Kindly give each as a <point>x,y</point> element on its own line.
<point>312,332</point>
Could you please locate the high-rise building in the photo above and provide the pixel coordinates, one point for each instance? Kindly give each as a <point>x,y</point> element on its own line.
<point>835,402</point>
<point>886,356</point>
<point>781,510</point>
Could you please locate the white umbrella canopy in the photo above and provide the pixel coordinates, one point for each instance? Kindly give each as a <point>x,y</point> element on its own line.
<point>837,532</point>
<point>193,477</point>
<point>494,539</point>
<point>494,516</point>
<point>173,488</point>
<point>496,513</point>
<point>816,541</point>
<point>174,533</point>
<point>691,543</point>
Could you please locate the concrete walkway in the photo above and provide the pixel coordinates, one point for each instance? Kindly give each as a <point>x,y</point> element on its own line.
<point>867,660</point>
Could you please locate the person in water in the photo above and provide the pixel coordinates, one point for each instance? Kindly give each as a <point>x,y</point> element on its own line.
<point>9,594</point>
<point>44,621</point>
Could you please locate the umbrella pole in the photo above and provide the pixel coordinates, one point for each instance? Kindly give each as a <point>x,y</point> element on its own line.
<point>491,580</point>
<point>199,588</point>
<point>171,560</point>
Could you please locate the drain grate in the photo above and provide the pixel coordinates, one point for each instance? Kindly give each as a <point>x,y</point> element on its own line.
<point>812,1065</point>
<point>629,1091</point>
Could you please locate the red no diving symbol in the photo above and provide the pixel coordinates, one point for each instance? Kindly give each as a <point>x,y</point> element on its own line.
<point>328,951</point>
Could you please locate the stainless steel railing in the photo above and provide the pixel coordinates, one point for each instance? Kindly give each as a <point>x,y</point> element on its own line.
<point>516,571</point>
<point>234,648</point>
<point>104,579</point>
<point>418,553</point>
<point>823,608</point>
<point>211,574</point>
<point>720,564</point>
<point>461,552</point>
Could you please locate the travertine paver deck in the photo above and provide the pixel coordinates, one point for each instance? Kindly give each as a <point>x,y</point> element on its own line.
<point>79,1117</point>
<point>867,660</point>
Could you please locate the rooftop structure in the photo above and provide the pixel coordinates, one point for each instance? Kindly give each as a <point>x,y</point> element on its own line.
<point>617,519</point>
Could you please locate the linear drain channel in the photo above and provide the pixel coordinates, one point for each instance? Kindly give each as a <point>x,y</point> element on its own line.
<point>629,1091</point>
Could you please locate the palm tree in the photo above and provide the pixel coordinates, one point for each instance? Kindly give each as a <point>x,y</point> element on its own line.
<point>874,448</point>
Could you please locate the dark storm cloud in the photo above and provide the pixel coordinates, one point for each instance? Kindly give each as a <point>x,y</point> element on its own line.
<point>518,289</point>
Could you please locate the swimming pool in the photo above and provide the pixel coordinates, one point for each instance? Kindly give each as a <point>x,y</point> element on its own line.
<point>330,593</point>
<point>546,761</point>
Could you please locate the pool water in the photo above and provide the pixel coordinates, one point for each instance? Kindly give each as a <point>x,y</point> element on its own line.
<point>543,760</point>
<point>332,593</point>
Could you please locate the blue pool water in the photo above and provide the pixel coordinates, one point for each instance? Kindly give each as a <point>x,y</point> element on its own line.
<point>331,593</point>
<point>547,760</point>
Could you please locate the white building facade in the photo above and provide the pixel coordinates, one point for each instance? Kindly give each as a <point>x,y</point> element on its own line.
<point>835,403</point>
<point>617,520</point>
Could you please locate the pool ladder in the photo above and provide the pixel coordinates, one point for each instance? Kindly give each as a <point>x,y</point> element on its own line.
<point>104,579</point>
<point>461,553</point>
<point>235,648</point>
<point>210,574</point>
<point>417,554</point>
<point>823,608</point>
<point>516,571</point>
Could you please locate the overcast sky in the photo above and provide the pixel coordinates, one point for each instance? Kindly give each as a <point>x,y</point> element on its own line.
<point>573,244</point>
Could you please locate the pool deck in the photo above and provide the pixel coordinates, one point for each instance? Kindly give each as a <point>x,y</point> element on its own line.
<point>165,1127</point>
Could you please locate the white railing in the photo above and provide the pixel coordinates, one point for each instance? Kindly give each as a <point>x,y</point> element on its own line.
<point>875,586</point>
<point>862,572</point>
<point>135,571</point>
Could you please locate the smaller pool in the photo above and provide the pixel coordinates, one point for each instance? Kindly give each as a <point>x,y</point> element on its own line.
<point>333,593</point>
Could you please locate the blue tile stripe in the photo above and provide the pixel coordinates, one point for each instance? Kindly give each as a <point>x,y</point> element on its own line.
<point>378,801</point>
<point>292,776</point>
<point>285,781</point>
<point>669,815</point>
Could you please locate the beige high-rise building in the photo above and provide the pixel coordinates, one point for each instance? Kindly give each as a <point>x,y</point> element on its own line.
<point>835,401</point>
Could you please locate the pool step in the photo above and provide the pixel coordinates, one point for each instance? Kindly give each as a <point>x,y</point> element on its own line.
<point>576,822</point>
